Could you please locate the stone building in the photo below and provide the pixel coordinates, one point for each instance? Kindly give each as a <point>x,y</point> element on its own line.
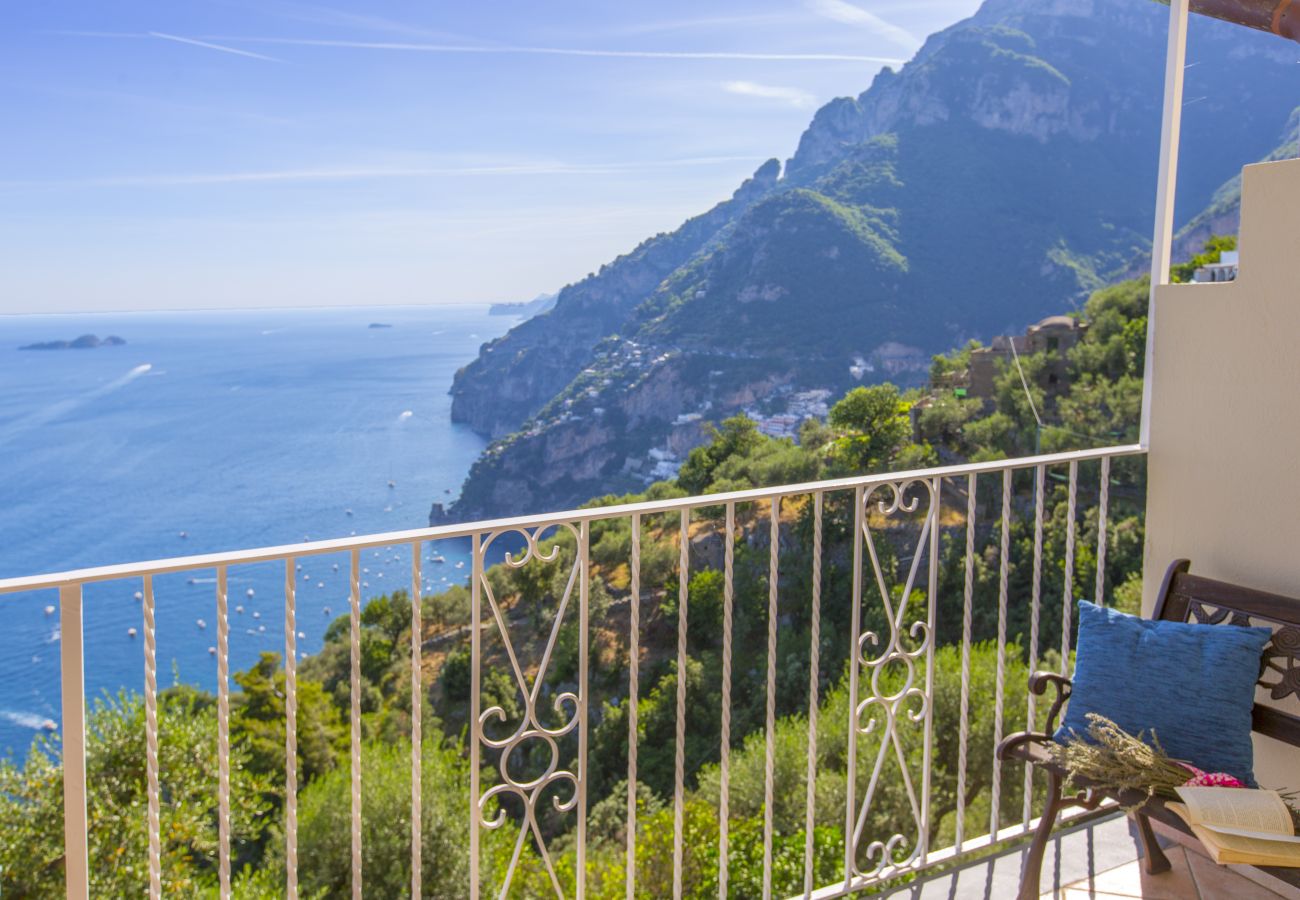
<point>1053,336</point>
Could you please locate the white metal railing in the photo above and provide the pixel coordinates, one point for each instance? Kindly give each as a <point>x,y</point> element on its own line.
<point>874,703</point>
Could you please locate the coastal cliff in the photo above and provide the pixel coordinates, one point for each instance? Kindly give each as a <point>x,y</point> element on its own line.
<point>516,374</point>
<point>1000,176</point>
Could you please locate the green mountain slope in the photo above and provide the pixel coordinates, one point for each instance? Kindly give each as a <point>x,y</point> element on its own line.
<point>998,177</point>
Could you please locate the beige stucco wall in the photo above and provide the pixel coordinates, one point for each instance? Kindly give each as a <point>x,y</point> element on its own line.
<point>1224,464</point>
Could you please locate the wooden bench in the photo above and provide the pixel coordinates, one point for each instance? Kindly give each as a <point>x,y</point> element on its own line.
<point>1183,598</point>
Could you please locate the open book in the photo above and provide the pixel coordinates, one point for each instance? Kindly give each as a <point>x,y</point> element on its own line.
<point>1238,825</point>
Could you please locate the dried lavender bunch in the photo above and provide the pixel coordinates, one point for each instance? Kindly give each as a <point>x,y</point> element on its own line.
<point>1124,762</point>
<point>1120,761</point>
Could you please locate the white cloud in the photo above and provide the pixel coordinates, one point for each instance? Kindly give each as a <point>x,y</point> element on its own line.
<point>370,173</point>
<point>209,41</point>
<point>565,51</point>
<point>849,14</point>
<point>207,46</point>
<point>788,95</point>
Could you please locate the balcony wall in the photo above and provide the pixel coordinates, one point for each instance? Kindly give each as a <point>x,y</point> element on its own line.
<point>1224,488</point>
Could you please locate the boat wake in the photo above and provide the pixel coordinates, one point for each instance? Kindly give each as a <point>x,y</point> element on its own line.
<point>25,720</point>
<point>63,407</point>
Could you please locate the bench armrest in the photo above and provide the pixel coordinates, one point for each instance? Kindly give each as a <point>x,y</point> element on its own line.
<point>1038,683</point>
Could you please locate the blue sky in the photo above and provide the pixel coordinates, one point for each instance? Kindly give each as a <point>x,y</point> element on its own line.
<point>280,153</point>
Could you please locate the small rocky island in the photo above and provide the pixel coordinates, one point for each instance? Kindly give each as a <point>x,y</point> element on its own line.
<point>85,342</point>
<point>380,325</point>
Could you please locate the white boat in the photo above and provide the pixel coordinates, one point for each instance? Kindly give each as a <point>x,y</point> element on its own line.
<point>391,484</point>
<point>130,632</point>
<point>239,609</point>
<point>50,725</point>
<point>212,651</point>
<point>347,512</point>
<point>200,623</point>
<point>139,595</point>
<point>256,614</point>
<point>249,592</point>
<point>49,610</point>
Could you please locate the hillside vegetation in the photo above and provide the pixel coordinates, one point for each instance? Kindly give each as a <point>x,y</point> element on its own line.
<point>870,429</point>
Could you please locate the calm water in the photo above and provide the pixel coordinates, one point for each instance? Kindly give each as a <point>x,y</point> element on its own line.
<point>235,430</point>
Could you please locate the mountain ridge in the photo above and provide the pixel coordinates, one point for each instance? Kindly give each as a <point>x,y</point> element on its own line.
<point>999,176</point>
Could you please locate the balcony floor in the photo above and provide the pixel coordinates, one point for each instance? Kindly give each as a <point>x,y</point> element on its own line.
<point>1099,860</point>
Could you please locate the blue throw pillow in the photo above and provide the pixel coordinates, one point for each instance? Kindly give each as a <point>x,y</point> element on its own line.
<point>1194,685</point>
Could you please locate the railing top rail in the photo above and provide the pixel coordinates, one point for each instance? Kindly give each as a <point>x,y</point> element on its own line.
<point>443,532</point>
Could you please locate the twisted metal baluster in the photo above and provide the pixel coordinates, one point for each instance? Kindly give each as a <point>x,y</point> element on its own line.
<point>475,701</point>
<point>679,761</point>
<point>814,671</point>
<point>151,740</point>
<point>724,764</point>
<point>1035,614</point>
<point>355,602</point>
<point>963,737</point>
<point>417,734</point>
<point>223,735</point>
<point>290,730</point>
<point>633,694</point>
<point>1068,599</point>
<point>769,748</point>
<point>850,846</point>
<point>999,689</point>
<point>584,597</point>
<point>1103,504</point>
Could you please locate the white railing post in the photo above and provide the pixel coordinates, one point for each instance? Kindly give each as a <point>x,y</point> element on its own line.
<point>76,840</point>
<point>1171,124</point>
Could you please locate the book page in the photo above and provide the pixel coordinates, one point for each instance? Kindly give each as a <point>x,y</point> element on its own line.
<point>1246,811</point>
<point>1250,850</point>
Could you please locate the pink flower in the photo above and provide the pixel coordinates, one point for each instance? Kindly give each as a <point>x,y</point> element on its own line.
<point>1212,779</point>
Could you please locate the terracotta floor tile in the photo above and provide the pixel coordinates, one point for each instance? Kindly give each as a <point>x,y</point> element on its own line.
<point>1130,880</point>
<point>1215,881</point>
<point>1082,893</point>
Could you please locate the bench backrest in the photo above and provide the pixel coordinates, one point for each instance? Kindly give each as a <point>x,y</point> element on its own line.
<point>1185,597</point>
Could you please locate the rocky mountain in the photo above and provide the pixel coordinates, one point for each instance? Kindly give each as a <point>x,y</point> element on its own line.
<point>539,304</point>
<point>1223,215</point>
<point>1000,175</point>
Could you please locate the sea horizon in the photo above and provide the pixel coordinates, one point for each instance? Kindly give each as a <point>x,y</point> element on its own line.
<point>209,431</point>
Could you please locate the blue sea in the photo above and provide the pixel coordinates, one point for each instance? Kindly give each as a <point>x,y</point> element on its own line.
<point>213,431</point>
